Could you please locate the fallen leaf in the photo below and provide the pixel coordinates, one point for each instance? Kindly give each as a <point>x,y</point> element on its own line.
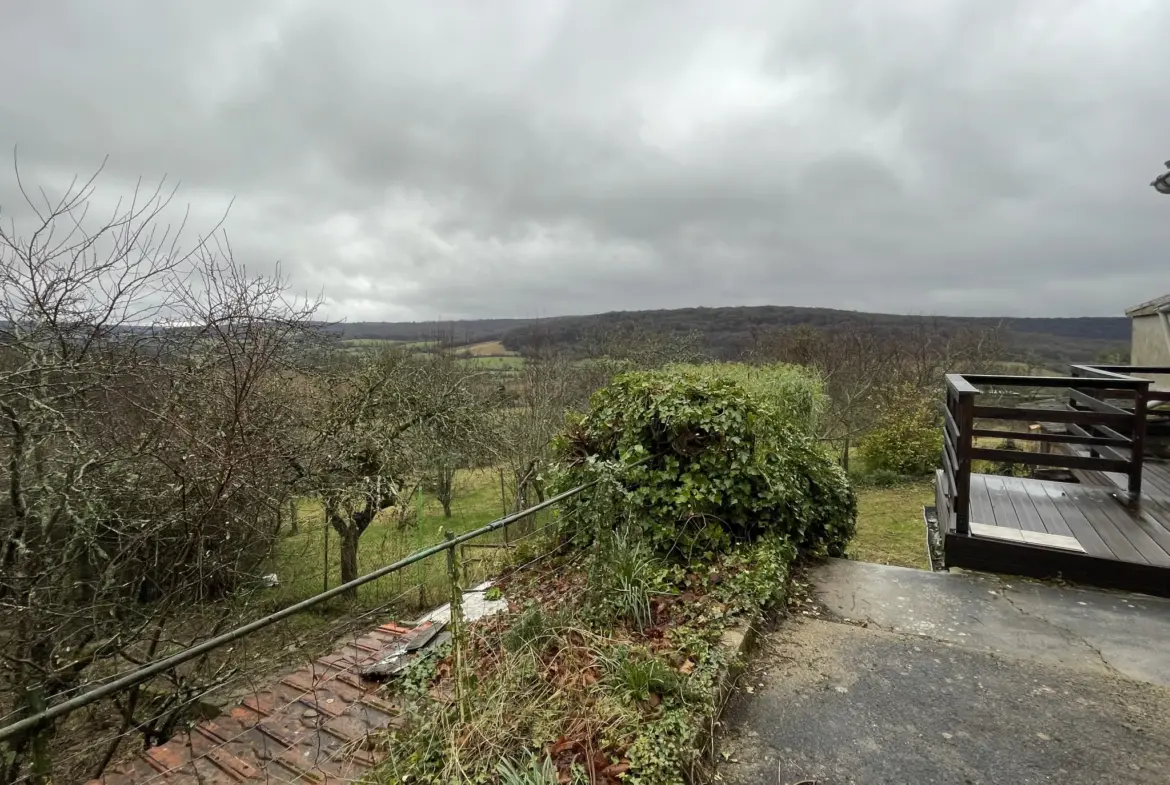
<point>687,667</point>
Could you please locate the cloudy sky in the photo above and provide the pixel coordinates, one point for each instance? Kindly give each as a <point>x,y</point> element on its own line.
<point>447,159</point>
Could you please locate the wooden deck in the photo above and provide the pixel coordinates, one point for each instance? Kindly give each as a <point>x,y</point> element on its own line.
<point>1155,478</point>
<point>1050,529</point>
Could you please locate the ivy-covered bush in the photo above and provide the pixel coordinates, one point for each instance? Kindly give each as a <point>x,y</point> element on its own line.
<point>727,455</point>
<point>908,437</point>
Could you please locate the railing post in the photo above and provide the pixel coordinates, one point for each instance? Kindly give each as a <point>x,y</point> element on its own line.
<point>965,419</point>
<point>457,628</point>
<point>1137,449</point>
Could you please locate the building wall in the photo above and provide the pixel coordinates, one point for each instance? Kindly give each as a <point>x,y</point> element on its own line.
<point>1149,346</point>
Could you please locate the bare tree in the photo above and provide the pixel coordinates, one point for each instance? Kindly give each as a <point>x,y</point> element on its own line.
<point>379,422</point>
<point>145,442</point>
<point>863,363</point>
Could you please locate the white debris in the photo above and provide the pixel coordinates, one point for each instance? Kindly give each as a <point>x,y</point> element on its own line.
<point>476,606</point>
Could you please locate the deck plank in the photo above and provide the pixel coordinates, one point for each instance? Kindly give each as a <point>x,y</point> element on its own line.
<point>1133,524</point>
<point>1053,521</point>
<point>1025,505</point>
<point>1154,518</point>
<point>1050,516</point>
<point>1099,514</point>
<point>1158,510</point>
<point>1080,526</point>
<point>1156,478</point>
<point>981,509</point>
<point>1001,502</point>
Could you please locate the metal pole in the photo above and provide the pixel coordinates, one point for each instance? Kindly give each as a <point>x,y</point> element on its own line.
<point>457,632</point>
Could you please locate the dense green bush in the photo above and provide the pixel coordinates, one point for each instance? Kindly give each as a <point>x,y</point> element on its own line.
<point>796,394</point>
<point>908,437</point>
<point>728,454</point>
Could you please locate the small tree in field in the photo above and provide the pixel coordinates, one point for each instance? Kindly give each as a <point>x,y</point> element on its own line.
<point>907,438</point>
<point>378,423</point>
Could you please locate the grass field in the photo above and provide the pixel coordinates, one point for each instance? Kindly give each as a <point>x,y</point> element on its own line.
<point>889,525</point>
<point>486,349</point>
<point>889,531</point>
<point>507,363</point>
<point>368,342</point>
<point>302,560</point>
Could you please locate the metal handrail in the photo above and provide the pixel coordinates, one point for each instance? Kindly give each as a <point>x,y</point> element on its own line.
<point>150,670</point>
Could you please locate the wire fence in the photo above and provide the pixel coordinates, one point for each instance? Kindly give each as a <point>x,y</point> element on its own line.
<point>79,734</point>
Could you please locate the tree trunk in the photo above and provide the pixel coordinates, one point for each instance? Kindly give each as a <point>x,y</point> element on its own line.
<point>294,516</point>
<point>445,488</point>
<point>349,556</point>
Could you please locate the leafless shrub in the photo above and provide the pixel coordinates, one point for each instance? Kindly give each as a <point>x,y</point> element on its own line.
<point>863,364</point>
<point>147,439</point>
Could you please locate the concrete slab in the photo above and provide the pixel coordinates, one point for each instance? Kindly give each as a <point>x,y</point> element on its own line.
<point>942,678</point>
<point>1099,630</point>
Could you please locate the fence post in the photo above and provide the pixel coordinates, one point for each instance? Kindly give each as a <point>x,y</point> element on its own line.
<point>325,558</point>
<point>965,419</point>
<point>458,632</point>
<point>1137,448</point>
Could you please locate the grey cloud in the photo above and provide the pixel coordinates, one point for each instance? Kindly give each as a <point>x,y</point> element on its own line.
<point>469,159</point>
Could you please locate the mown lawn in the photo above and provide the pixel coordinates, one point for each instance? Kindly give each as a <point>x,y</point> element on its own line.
<point>889,525</point>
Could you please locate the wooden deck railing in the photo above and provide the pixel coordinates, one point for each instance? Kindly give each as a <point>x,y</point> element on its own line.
<point>1113,434</point>
<point>1157,401</point>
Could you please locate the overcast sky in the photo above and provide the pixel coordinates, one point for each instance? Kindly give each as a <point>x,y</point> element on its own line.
<point>441,159</point>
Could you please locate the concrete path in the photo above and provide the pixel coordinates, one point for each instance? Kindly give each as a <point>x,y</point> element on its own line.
<point>903,676</point>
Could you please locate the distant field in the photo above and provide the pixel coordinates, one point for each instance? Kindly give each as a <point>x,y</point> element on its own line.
<point>369,342</point>
<point>486,349</point>
<point>494,363</point>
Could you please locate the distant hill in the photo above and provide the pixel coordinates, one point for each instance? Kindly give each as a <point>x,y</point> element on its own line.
<point>729,332</point>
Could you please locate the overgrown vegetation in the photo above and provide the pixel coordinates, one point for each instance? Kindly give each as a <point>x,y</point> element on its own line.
<point>566,691</point>
<point>708,486</point>
<point>907,438</point>
<point>723,461</point>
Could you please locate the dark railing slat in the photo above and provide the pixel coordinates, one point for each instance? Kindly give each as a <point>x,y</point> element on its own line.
<point>1096,404</point>
<point>949,423</point>
<point>959,384</point>
<point>1055,438</point>
<point>1127,369</point>
<point>1103,431</point>
<point>949,476</point>
<point>1051,459</point>
<point>1032,414</point>
<point>1116,382</point>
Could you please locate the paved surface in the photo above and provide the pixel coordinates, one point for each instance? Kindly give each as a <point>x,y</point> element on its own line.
<point>311,725</point>
<point>903,676</point>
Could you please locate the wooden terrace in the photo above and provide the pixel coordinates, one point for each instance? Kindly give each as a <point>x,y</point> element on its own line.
<point>1101,517</point>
